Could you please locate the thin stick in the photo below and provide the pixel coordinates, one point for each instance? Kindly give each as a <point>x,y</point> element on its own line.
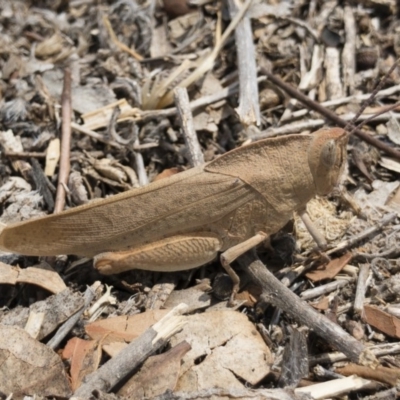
<point>67,326</point>
<point>361,288</point>
<point>313,230</point>
<point>387,219</point>
<point>183,107</point>
<point>374,92</point>
<point>66,115</point>
<point>329,114</point>
<point>119,44</point>
<point>287,129</point>
<point>102,139</point>
<point>378,350</point>
<point>323,289</point>
<point>349,49</point>
<point>27,154</point>
<point>345,100</point>
<point>140,168</point>
<point>234,393</point>
<point>249,106</point>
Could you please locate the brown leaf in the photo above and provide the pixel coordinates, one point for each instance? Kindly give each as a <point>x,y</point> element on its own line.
<point>84,359</point>
<point>158,374</point>
<point>388,324</point>
<point>322,304</point>
<point>29,367</point>
<point>330,270</point>
<point>43,278</point>
<point>222,340</point>
<point>121,329</point>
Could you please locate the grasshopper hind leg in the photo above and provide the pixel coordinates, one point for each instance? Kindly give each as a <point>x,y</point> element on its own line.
<point>174,253</point>
<point>230,255</point>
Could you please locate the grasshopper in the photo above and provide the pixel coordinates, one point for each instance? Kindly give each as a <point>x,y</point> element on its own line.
<point>226,206</point>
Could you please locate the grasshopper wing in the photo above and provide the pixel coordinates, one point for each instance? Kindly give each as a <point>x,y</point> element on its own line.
<point>182,203</point>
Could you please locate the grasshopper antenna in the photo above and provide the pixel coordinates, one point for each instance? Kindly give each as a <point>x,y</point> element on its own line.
<point>351,126</point>
<point>313,105</point>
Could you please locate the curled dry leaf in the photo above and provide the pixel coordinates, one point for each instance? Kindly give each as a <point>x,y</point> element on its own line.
<point>46,279</point>
<point>109,169</point>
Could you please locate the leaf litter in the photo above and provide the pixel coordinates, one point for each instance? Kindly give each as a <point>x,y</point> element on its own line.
<point>126,58</point>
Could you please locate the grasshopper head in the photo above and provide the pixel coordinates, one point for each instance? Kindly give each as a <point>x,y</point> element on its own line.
<point>327,158</point>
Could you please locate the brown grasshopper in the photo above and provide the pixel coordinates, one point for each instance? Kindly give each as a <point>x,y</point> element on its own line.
<point>228,205</point>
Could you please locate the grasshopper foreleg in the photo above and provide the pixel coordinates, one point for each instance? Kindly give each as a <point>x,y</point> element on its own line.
<point>314,231</point>
<point>316,235</point>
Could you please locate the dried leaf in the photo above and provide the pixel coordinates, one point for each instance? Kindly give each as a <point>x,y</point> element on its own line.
<point>388,324</point>
<point>46,279</point>
<point>322,304</point>
<point>123,328</point>
<point>85,99</point>
<point>330,270</point>
<point>217,337</point>
<point>158,374</point>
<point>379,197</point>
<point>84,359</point>
<point>29,367</point>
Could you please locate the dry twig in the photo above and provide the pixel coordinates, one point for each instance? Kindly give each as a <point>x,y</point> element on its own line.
<point>63,172</point>
<point>193,147</point>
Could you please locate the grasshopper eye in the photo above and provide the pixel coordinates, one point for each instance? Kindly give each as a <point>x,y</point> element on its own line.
<point>328,153</point>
